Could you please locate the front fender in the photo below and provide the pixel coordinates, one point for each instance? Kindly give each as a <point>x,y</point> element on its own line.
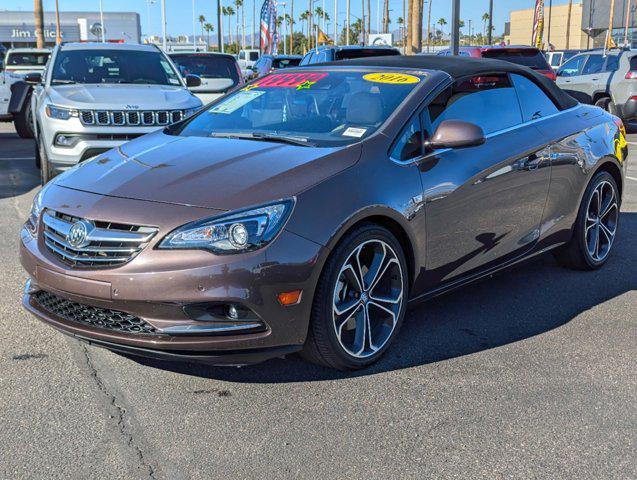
<point>19,94</point>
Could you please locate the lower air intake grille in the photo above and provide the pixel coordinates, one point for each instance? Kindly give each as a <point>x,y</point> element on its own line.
<point>92,316</point>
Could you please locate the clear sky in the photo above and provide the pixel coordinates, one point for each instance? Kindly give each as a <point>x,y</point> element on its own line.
<point>179,12</point>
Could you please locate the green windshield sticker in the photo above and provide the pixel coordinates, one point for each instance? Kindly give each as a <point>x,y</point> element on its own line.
<point>237,101</point>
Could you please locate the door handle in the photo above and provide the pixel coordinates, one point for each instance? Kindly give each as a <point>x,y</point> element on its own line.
<point>530,163</point>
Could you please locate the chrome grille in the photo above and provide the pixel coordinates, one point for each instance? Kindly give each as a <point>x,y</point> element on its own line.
<point>120,118</point>
<point>107,244</point>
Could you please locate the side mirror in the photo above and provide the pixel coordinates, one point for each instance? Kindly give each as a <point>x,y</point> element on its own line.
<point>193,81</point>
<point>33,77</point>
<point>455,134</point>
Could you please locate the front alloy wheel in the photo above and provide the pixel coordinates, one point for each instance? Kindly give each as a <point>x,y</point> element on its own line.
<point>367,299</point>
<point>360,300</point>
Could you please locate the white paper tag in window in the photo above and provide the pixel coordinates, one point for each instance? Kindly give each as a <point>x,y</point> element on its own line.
<point>236,101</point>
<point>354,132</point>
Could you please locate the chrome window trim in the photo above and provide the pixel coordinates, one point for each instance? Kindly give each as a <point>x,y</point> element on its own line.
<point>488,136</point>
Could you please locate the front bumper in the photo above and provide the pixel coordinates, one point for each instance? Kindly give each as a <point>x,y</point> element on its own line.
<point>157,284</point>
<point>94,140</point>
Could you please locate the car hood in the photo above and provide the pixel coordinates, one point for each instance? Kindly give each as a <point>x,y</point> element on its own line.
<point>122,97</point>
<point>217,173</point>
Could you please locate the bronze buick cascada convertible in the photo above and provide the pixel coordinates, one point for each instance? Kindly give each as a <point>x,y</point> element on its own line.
<point>306,210</point>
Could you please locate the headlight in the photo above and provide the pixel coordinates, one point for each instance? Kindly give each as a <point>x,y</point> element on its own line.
<point>234,232</point>
<point>36,210</point>
<point>60,113</point>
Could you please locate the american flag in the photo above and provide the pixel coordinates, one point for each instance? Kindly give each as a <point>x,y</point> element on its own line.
<point>269,35</point>
<point>538,24</point>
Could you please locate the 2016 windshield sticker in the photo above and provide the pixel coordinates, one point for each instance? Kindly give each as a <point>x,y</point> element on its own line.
<point>300,81</point>
<point>391,78</point>
<point>235,102</point>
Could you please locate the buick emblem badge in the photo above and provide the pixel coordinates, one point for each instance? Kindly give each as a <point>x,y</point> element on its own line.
<point>78,234</point>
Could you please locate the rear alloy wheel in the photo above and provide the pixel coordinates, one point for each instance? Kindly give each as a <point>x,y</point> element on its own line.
<point>596,226</point>
<point>23,120</point>
<point>607,104</point>
<point>360,301</point>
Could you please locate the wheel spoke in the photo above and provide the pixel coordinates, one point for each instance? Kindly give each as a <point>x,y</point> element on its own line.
<point>370,342</point>
<point>609,208</point>
<point>375,269</point>
<point>385,299</point>
<point>360,334</point>
<point>382,274</point>
<point>347,318</point>
<point>607,233</point>
<point>352,277</point>
<point>598,191</point>
<point>345,306</point>
<point>382,307</point>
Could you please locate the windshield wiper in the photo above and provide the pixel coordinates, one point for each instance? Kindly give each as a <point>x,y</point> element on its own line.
<point>63,82</point>
<point>265,137</point>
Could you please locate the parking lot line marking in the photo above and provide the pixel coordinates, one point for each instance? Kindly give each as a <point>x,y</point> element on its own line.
<point>631,178</point>
<point>17,158</point>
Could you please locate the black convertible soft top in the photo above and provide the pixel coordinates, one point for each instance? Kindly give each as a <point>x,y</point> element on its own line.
<point>458,67</point>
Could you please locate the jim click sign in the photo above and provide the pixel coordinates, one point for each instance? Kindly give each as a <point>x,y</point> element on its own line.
<point>26,33</point>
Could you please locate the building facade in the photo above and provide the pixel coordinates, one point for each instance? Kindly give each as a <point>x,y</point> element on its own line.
<point>17,29</point>
<point>520,28</point>
<point>596,20</point>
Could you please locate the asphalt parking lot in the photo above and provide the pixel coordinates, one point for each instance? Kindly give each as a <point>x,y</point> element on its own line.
<point>530,374</point>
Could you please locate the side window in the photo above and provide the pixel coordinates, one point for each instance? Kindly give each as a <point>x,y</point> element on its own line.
<point>594,64</point>
<point>533,101</point>
<point>410,143</point>
<point>572,67</point>
<point>612,63</point>
<point>321,57</point>
<point>489,101</point>
<point>242,55</point>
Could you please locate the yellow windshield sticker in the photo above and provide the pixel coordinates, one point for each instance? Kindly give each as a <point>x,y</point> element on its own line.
<point>391,77</point>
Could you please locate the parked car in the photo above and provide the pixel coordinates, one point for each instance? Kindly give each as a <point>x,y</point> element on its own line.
<point>19,62</point>
<point>247,58</point>
<point>558,57</point>
<point>304,212</point>
<point>218,72</point>
<point>605,79</point>
<point>332,53</point>
<point>96,96</point>
<point>269,63</point>
<point>26,60</point>
<point>521,55</point>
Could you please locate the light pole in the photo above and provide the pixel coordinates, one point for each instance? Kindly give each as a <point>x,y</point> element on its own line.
<point>194,32</point>
<point>285,29</point>
<point>102,21</point>
<point>455,27</point>
<point>489,35</point>
<point>163,23</point>
<point>347,23</point>
<point>335,39</point>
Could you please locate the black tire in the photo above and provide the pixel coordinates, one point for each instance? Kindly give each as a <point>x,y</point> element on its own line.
<point>38,161</point>
<point>575,254</point>
<point>45,168</point>
<point>23,120</point>
<point>322,345</point>
<point>606,103</point>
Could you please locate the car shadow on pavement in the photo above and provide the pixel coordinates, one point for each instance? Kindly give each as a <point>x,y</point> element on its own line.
<point>18,173</point>
<point>520,303</point>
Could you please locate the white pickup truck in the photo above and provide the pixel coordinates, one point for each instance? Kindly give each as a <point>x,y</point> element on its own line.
<point>18,64</point>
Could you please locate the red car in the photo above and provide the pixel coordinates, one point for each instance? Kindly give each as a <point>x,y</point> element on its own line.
<point>527,56</point>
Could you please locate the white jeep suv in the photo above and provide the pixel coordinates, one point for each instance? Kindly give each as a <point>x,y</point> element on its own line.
<point>96,96</point>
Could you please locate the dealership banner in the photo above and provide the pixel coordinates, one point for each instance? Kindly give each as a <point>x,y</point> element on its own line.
<point>268,33</point>
<point>538,24</point>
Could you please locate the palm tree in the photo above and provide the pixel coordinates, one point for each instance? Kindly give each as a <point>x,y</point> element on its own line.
<point>239,5</point>
<point>292,27</point>
<point>442,22</point>
<point>202,20</point>
<point>485,19</point>
<point>229,12</point>
<point>400,21</point>
<point>305,17</point>
<point>320,14</point>
<point>208,28</point>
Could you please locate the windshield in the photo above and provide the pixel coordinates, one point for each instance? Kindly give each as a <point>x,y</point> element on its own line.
<point>324,108</point>
<point>207,66</point>
<point>365,52</point>
<point>27,59</point>
<point>285,62</point>
<point>528,57</point>
<point>113,66</point>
